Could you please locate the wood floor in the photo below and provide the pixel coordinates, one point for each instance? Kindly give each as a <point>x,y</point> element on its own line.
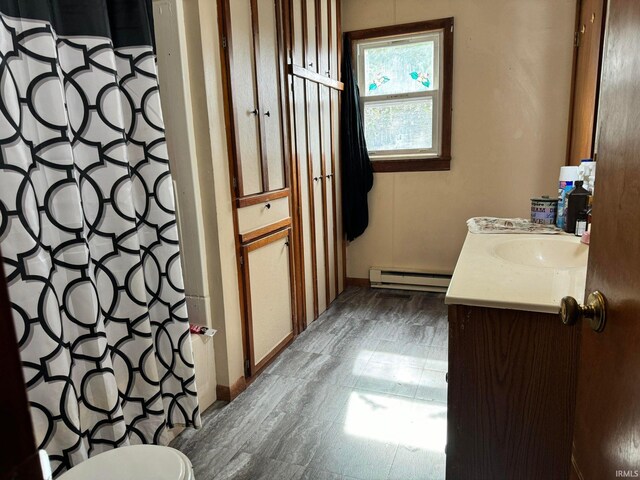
<point>361,394</point>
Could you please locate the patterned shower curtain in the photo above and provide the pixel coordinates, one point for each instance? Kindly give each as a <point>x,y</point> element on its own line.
<point>88,228</point>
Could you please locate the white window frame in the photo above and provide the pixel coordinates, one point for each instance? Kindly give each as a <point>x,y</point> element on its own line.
<point>435,93</point>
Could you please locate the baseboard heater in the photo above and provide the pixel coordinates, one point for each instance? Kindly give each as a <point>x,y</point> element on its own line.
<point>403,279</point>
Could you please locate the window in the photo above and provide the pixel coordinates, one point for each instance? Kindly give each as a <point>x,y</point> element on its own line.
<point>405,75</point>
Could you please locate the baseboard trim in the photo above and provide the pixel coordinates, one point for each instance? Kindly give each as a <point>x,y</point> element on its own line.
<point>225,393</point>
<point>358,282</point>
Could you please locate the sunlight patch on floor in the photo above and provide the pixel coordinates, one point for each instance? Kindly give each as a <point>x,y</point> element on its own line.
<point>409,422</point>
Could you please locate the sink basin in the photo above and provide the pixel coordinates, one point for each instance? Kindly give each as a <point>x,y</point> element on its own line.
<point>557,252</point>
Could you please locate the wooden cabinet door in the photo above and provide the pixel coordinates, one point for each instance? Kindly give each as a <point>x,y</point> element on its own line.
<point>297,11</point>
<point>269,297</point>
<point>323,37</point>
<point>244,96</point>
<point>328,193</point>
<point>511,385</point>
<point>254,44</point>
<point>310,35</point>
<point>317,203</point>
<point>305,192</point>
<point>269,88</point>
<point>337,185</point>
<point>606,434</point>
<point>335,39</point>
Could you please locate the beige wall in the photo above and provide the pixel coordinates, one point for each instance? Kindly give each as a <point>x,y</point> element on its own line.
<point>512,74</point>
<point>191,94</point>
<point>207,101</point>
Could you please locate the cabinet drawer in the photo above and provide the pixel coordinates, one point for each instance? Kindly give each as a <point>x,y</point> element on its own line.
<point>262,214</point>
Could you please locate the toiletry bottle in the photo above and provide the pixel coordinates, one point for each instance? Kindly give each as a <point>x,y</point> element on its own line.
<point>568,175</point>
<point>577,201</point>
<point>581,223</point>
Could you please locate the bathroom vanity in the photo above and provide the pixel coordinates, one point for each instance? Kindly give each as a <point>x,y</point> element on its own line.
<point>512,362</point>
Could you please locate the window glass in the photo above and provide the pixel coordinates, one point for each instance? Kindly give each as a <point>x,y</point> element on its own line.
<point>399,125</point>
<point>403,68</point>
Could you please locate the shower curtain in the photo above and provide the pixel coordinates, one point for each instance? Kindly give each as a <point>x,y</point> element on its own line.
<point>88,229</point>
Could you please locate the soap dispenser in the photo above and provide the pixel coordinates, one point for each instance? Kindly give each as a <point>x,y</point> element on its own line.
<point>577,201</point>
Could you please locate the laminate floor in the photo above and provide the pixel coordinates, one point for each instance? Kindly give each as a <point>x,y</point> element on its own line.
<point>361,394</point>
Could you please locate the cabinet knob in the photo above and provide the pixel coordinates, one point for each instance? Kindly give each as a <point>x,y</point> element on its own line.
<point>267,206</point>
<point>267,113</point>
<point>311,64</point>
<point>254,112</point>
<point>286,244</point>
<point>327,72</point>
<point>595,311</point>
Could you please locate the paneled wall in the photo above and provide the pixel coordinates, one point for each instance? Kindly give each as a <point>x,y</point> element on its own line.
<point>512,79</point>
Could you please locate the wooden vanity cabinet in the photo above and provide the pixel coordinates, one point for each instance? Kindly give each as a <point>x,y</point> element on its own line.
<point>512,380</point>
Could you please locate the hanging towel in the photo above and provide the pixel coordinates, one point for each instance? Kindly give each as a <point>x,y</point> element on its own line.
<point>357,171</point>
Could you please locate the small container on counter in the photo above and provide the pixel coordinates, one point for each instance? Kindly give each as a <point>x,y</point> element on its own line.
<point>544,210</point>
<point>568,175</point>
<point>582,222</point>
<point>577,201</point>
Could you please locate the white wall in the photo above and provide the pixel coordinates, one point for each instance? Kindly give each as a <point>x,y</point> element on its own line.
<point>512,75</point>
<point>191,94</point>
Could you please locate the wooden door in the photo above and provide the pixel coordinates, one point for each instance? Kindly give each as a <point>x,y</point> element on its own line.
<point>606,440</point>
<point>269,297</point>
<point>590,28</point>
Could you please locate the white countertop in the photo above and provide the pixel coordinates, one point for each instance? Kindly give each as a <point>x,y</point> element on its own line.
<point>519,271</point>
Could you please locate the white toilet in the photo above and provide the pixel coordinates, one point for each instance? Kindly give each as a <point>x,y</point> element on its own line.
<point>136,462</point>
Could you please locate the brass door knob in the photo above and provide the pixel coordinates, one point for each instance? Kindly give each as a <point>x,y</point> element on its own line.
<point>595,311</point>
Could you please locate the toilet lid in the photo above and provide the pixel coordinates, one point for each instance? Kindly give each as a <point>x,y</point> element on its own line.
<point>136,462</point>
